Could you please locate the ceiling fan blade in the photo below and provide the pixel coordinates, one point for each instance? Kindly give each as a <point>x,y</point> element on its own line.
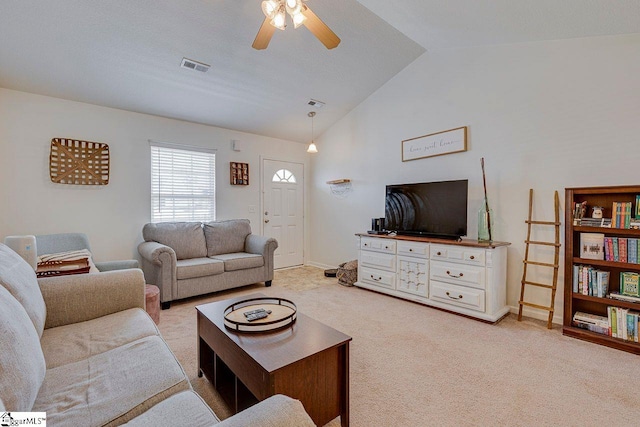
<point>264,35</point>
<point>320,29</point>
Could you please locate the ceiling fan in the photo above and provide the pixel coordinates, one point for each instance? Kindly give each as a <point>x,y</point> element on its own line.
<point>275,12</point>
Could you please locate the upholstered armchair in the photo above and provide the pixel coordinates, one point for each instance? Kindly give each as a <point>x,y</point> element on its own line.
<point>63,242</point>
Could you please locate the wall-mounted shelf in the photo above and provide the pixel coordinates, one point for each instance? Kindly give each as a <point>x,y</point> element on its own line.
<point>340,187</point>
<point>239,173</point>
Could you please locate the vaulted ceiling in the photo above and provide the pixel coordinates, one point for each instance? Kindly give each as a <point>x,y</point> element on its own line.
<point>127,54</point>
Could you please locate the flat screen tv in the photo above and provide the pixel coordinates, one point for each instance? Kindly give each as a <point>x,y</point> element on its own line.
<point>434,209</point>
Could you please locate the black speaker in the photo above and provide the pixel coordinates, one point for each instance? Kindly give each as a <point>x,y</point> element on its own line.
<point>377,224</point>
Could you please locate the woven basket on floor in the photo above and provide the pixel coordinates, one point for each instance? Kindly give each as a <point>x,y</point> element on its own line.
<point>348,273</point>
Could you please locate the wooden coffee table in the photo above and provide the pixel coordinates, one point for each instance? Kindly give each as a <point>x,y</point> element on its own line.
<point>307,360</point>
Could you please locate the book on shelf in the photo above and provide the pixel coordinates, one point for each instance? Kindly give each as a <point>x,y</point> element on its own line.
<point>613,326</point>
<point>592,246</point>
<point>637,215</point>
<point>622,249</point>
<point>594,222</point>
<point>616,250</point>
<point>632,250</point>
<point>622,297</point>
<point>630,283</point>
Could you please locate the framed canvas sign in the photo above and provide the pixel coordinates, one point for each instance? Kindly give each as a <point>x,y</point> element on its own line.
<point>435,144</point>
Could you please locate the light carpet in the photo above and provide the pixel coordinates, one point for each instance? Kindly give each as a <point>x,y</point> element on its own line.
<point>412,365</point>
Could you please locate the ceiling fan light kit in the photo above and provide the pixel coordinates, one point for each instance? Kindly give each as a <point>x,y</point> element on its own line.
<point>275,12</point>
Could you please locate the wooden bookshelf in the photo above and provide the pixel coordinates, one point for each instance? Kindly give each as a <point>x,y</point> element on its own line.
<point>573,302</point>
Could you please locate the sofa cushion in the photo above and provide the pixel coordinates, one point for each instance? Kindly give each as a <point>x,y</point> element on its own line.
<point>240,261</point>
<point>224,237</point>
<point>187,406</point>
<point>185,238</point>
<point>113,387</point>
<point>22,366</point>
<point>18,277</point>
<point>198,267</point>
<point>78,341</point>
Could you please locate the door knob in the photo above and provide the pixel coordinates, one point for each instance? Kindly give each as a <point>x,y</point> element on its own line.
<point>266,221</point>
<point>266,212</point>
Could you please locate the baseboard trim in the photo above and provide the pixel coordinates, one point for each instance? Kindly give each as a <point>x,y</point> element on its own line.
<point>319,265</point>
<point>538,314</point>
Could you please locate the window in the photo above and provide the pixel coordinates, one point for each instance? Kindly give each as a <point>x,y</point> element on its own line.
<point>284,175</point>
<point>183,183</point>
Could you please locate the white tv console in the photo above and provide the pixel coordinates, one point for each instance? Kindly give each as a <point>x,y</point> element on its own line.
<point>466,277</point>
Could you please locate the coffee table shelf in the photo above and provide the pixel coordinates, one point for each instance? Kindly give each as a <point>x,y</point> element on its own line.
<point>247,368</point>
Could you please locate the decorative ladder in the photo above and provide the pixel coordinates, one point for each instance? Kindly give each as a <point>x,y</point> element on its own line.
<point>527,262</point>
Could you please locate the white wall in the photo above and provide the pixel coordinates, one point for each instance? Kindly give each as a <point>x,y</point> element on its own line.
<point>545,115</point>
<point>113,215</point>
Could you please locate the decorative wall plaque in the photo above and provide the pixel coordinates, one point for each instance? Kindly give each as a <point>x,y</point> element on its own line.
<point>435,144</point>
<point>78,162</point>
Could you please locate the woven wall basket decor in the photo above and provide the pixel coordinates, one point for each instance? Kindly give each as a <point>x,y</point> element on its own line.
<point>78,162</point>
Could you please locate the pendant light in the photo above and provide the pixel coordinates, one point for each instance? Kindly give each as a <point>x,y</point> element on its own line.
<point>312,147</point>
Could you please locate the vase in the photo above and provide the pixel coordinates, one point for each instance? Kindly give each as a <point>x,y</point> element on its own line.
<point>485,223</point>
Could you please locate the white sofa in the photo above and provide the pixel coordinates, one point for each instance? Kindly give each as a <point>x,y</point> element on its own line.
<point>82,349</point>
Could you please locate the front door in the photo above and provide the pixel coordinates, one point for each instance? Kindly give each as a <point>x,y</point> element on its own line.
<point>283,210</point>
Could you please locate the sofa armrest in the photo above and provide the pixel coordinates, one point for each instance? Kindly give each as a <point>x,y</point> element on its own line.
<point>260,245</point>
<point>276,411</point>
<point>159,263</point>
<point>80,297</point>
<point>152,251</point>
<point>117,265</point>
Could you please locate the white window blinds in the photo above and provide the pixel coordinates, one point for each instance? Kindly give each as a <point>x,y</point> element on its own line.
<point>183,183</point>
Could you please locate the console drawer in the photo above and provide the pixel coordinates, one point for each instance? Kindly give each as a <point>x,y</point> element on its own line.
<point>412,276</point>
<point>460,254</point>
<point>378,245</point>
<point>385,279</point>
<point>470,298</point>
<point>416,249</point>
<point>465,275</point>
<point>378,260</point>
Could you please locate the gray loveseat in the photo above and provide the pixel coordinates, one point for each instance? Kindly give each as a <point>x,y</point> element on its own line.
<point>186,259</point>
<point>82,349</point>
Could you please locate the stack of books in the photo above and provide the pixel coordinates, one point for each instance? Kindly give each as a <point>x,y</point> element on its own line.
<point>592,322</point>
<point>594,222</point>
<point>622,297</point>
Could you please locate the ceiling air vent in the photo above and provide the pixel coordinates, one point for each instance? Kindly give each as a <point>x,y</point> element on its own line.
<point>194,65</point>
<point>315,103</point>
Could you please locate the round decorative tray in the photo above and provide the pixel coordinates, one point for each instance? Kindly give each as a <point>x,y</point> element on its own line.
<point>282,314</point>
